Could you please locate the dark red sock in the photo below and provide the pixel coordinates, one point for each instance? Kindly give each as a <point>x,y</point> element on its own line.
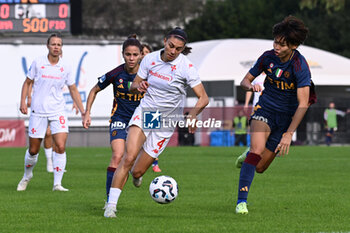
<point>111,169</point>
<point>252,159</point>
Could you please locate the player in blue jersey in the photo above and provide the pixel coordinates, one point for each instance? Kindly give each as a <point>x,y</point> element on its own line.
<point>281,106</point>
<point>124,102</point>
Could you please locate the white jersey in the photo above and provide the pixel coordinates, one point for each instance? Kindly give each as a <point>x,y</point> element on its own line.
<point>167,83</point>
<point>47,97</point>
<point>258,80</point>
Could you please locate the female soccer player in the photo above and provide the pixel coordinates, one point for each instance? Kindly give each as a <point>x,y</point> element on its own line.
<point>146,49</point>
<point>124,103</point>
<point>282,105</point>
<point>163,75</point>
<point>49,74</point>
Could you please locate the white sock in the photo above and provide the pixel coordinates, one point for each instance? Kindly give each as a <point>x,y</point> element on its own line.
<point>59,165</point>
<point>114,194</point>
<point>29,164</point>
<point>48,153</point>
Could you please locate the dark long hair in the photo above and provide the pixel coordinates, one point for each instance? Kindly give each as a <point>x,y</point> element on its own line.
<point>131,41</point>
<point>180,34</point>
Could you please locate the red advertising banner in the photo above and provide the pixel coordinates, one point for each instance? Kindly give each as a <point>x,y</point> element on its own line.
<point>12,133</point>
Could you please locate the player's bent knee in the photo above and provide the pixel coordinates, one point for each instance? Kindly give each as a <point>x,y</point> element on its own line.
<point>129,161</point>
<point>60,149</point>
<point>33,151</point>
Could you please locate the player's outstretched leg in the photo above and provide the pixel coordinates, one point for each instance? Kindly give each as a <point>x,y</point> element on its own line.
<point>245,180</point>
<point>241,158</point>
<point>59,163</point>
<point>29,164</point>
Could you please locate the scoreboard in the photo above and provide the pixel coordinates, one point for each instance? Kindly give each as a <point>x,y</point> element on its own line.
<point>35,16</point>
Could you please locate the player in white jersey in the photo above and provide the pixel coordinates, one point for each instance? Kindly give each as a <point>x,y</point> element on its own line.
<point>260,82</point>
<point>163,75</point>
<point>49,74</point>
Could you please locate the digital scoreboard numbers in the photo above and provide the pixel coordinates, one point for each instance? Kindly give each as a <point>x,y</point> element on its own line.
<point>34,16</point>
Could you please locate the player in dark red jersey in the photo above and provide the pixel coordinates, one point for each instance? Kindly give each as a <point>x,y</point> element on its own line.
<point>124,102</point>
<point>282,104</point>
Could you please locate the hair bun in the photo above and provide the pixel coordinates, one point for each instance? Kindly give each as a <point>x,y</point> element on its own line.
<point>132,36</point>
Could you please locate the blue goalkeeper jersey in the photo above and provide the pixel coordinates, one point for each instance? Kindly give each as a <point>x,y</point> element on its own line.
<point>124,102</point>
<point>282,81</point>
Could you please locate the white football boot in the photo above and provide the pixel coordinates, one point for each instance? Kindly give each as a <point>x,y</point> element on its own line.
<point>110,212</point>
<point>59,187</point>
<point>22,185</point>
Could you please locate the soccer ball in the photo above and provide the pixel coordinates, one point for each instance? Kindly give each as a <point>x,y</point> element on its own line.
<point>163,189</point>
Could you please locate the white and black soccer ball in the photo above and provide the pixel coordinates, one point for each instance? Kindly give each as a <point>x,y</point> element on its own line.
<point>163,189</point>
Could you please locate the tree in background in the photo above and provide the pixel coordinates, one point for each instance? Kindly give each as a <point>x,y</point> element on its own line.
<point>328,21</point>
<point>329,24</point>
<point>150,19</point>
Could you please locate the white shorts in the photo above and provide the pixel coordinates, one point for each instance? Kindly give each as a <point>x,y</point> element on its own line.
<point>38,125</point>
<point>156,140</point>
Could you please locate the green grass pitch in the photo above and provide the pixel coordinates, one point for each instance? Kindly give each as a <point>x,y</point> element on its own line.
<point>305,191</point>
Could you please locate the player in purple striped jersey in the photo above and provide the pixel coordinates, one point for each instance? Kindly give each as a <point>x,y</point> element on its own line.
<point>282,105</point>
<point>124,102</point>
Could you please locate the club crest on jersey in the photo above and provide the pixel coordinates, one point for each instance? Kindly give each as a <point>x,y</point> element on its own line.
<point>271,65</point>
<point>152,119</point>
<point>286,74</point>
<point>121,80</point>
<point>173,67</point>
<point>278,73</point>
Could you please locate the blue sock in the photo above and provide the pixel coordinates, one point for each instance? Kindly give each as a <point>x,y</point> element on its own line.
<point>246,176</point>
<point>155,163</point>
<point>110,173</point>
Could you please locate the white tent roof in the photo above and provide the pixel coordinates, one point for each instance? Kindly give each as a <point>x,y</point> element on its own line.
<point>231,59</point>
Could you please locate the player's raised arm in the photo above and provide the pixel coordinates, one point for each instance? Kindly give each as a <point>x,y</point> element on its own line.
<point>139,85</point>
<point>246,83</point>
<point>24,94</point>
<point>303,99</point>
<point>89,102</point>
<point>76,98</point>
